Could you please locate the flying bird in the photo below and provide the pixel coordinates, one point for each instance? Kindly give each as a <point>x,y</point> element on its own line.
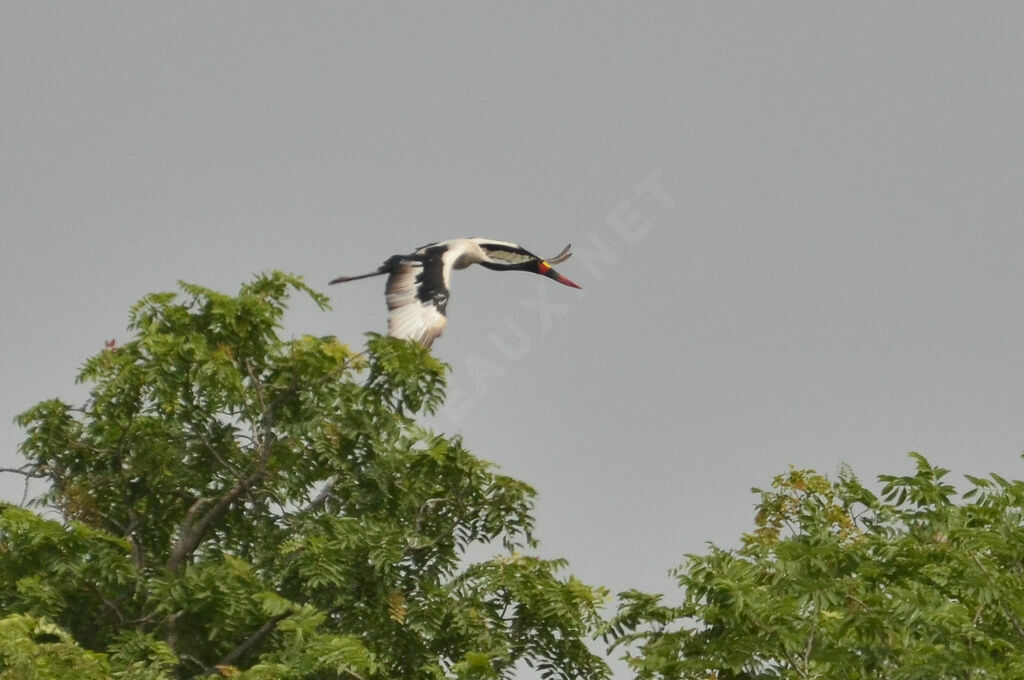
<point>418,283</point>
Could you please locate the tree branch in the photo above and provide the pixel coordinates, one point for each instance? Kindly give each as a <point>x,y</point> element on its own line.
<point>192,535</point>
<point>106,602</point>
<point>254,639</point>
<point>27,470</point>
<point>860,602</point>
<point>213,452</point>
<point>193,531</point>
<point>320,500</point>
<point>807,650</point>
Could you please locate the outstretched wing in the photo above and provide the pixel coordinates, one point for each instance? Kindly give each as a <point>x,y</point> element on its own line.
<point>504,253</point>
<point>417,298</point>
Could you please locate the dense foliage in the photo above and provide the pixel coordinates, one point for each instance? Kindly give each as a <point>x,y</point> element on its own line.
<point>836,582</point>
<point>232,503</point>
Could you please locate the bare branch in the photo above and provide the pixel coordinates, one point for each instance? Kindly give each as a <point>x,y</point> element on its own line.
<point>26,470</point>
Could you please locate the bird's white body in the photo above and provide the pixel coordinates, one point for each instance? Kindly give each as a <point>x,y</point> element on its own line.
<point>419,283</point>
<point>460,253</point>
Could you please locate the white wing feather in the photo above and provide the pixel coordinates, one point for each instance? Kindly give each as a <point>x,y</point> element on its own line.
<point>409,317</point>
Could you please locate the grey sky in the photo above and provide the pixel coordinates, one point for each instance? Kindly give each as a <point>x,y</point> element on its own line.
<point>832,271</point>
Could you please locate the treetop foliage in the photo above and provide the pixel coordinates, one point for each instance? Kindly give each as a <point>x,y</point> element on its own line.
<point>837,582</point>
<point>237,504</point>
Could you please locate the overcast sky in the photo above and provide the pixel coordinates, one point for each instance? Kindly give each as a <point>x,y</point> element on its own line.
<point>797,225</point>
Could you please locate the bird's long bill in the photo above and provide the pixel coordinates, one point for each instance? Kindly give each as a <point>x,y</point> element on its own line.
<point>545,269</point>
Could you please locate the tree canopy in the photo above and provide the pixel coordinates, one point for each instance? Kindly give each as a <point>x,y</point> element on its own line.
<point>916,583</point>
<point>233,503</point>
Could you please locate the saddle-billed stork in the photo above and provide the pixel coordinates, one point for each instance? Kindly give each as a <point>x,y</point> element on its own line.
<point>418,284</point>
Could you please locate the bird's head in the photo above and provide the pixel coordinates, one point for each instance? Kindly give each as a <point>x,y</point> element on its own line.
<point>504,256</point>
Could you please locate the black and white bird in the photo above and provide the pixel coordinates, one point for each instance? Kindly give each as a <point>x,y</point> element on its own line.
<point>418,284</point>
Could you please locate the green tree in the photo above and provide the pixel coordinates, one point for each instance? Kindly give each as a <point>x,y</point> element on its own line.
<point>836,582</point>
<point>232,503</point>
